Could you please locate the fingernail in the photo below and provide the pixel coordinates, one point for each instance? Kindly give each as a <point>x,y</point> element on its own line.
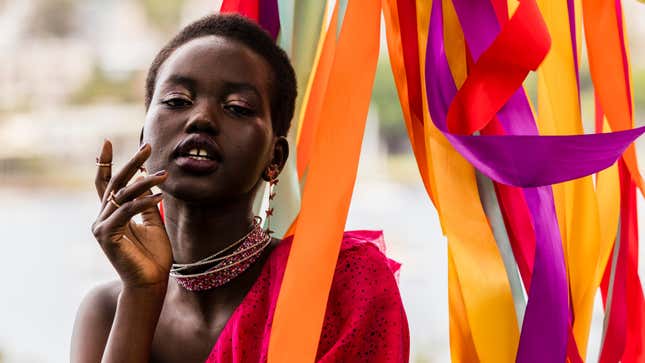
<point>142,146</point>
<point>160,173</point>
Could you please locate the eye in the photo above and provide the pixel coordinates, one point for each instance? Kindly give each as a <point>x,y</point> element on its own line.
<point>177,102</point>
<point>239,110</point>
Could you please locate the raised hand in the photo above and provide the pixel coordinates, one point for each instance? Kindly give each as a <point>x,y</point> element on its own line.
<point>140,252</point>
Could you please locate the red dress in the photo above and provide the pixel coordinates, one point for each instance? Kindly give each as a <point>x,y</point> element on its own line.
<point>364,321</point>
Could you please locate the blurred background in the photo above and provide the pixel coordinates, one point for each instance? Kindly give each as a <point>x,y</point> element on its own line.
<point>72,73</point>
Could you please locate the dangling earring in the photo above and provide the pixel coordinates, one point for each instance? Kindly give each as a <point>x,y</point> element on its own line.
<point>272,175</point>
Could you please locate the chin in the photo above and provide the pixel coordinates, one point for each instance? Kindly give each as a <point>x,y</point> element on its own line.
<point>204,190</point>
<point>193,192</point>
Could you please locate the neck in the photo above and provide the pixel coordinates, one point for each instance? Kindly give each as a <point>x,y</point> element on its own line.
<point>200,230</point>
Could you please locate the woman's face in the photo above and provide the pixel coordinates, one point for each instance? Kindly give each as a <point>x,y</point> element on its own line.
<point>209,121</point>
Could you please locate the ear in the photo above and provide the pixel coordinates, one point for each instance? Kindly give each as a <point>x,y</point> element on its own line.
<point>280,155</point>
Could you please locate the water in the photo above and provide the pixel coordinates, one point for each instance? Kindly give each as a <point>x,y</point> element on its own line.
<point>48,248</point>
<point>52,260</point>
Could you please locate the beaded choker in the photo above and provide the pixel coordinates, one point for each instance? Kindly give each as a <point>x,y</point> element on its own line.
<point>245,251</point>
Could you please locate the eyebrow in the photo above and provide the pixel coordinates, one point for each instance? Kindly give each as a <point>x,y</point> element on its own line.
<point>182,80</point>
<point>229,86</point>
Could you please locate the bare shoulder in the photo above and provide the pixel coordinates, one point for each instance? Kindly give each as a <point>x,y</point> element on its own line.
<point>93,322</point>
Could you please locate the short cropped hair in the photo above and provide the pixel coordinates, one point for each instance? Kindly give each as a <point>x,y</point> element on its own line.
<point>234,27</point>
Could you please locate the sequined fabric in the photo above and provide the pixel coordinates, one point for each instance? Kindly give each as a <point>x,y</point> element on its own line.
<point>364,322</point>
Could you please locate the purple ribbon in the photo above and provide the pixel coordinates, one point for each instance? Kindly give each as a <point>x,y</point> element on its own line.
<point>522,159</point>
<point>269,17</point>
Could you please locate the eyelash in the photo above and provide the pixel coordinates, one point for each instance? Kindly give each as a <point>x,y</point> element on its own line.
<point>239,111</point>
<point>170,102</point>
<point>236,110</point>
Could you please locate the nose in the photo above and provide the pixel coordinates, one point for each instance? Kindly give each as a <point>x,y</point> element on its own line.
<point>203,119</point>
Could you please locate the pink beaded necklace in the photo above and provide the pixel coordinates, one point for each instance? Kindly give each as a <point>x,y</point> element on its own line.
<point>227,267</point>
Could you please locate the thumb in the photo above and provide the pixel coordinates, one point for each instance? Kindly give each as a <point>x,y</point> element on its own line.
<point>151,216</point>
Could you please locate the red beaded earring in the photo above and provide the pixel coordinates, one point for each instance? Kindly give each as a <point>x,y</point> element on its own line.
<point>272,174</point>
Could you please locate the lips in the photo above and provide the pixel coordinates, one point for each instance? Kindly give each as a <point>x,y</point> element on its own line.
<point>197,154</point>
<point>198,145</point>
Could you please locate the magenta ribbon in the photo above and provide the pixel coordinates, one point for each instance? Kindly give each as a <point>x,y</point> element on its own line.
<point>269,17</point>
<point>524,159</point>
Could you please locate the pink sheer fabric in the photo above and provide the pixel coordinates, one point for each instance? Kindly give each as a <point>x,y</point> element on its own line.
<point>364,321</point>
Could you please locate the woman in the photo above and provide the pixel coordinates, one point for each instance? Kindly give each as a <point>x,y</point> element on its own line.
<point>202,283</point>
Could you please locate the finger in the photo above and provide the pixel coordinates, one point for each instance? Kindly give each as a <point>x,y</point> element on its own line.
<point>151,216</point>
<point>121,178</point>
<point>109,208</point>
<point>145,193</point>
<point>116,222</point>
<point>131,192</point>
<point>103,172</point>
<point>112,204</point>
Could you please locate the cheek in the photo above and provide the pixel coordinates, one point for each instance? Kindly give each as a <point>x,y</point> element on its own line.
<point>159,134</point>
<point>250,152</point>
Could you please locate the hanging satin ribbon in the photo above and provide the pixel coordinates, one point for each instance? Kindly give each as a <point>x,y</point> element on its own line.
<point>549,250</point>
<point>459,60</point>
<point>482,319</point>
<point>248,9</point>
<point>413,120</point>
<point>576,203</point>
<point>608,196</point>
<point>315,97</point>
<point>264,12</point>
<point>623,336</point>
<point>303,295</point>
<point>511,201</point>
<point>483,296</point>
<point>605,42</point>
<point>304,19</point>
<point>615,282</point>
<point>310,20</point>
<point>526,160</point>
<point>549,267</point>
<point>473,259</point>
<point>494,215</point>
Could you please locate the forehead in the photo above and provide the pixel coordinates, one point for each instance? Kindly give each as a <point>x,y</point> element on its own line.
<point>210,60</point>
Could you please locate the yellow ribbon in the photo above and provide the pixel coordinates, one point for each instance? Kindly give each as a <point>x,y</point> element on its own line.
<point>483,322</point>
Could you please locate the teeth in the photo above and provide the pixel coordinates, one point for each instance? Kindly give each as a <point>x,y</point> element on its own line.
<point>198,157</point>
<point>197,152</point>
